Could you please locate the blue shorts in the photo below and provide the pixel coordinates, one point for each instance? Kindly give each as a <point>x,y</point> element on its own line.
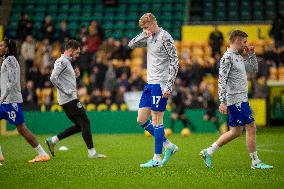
<point>152,98</point>
<point>13,113</point>
<point>240,114</point>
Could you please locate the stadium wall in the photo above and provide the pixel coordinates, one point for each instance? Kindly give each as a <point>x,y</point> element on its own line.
<point>101,122</point>
<point>200,33</point>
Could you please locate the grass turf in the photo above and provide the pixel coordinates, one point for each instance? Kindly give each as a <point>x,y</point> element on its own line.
<point>72,168</point>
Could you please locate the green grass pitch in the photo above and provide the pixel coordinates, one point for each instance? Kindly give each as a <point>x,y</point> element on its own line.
<point>72,168</point>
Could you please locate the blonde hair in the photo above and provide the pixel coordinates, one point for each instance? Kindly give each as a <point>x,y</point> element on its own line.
<point>147,18</point>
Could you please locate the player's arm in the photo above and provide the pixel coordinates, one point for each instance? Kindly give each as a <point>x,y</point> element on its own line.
<point>12,78</point>
<point>251,63</point>
<point>138,41</point>
<point>59,67</point>
<point>168,44</point>
<point>225,67</point>
<point>251,60</point>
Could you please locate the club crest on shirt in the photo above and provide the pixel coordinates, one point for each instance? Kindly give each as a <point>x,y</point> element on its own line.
<point>79,105</point>
<point>15,106</point>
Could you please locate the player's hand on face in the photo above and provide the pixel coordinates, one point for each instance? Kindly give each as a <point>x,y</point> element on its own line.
<point>148,33</point>
<point>77,72</point>
<point>166,94</point>
<point>250,49</point>
<point>223,108</point>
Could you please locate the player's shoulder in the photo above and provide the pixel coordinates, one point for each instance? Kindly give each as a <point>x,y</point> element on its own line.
<point>228,55</point>
<point>166,36</point>
<point>11,61</point>
<point>61,61</point>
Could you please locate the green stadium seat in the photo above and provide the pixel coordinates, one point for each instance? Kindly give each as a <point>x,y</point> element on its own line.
<point>52,8</point>
<point>117,34</point>
<point>86,16</point>
<point>178,7</point>
<point>15,16</point>
<point>108,25</point>
<point>62,16</point>
<point>73,26</point>
<point>258,15</point>
<point>13,25</point>
<point>233,15</point>
<point>220,15</point>
<point>52,1</point>
<point>120,16</point>
<point>30,8</point>
<point>208,16</point>
<point>17,8</point>
<point>42,2</point>
<point>245,3</point>
<point>167,8</point>
<point>88,8</point>
<point>63,1</point>
<point>119,25</point>
<point>64,8</point>
<point>270,14</point>
<point>38,17</point>
<point>29,2</point>
<point>37,25</point>
<point>166,16</point>
<point>221,4</point>
<point>75,1</point>
<point>18,2</point>
<point>74,17</point>
<point>245,15</point>
<point>75,8</point>
<point>132,24</point>
<point>270,3</point>
<point>40,8</point>
<point>132,16</point>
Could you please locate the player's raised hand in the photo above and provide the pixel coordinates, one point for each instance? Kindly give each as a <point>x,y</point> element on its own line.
<point>223,108</point>
<point>250,49</point>
<point>148,33</point>
<point>77,72</point>
<point>166,94</point>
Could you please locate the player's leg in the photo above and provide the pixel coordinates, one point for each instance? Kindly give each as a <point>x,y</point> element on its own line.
<point>69,109</point>
<point>83,121</point>
<point>215,121</point>
<point>143,119</point>
<point>251,145</point>
<point>186,122</point>
<point>52,141</point>
<point>144,110</point>
<point>31,139</point>
<point>1,155</point>
<point>158,106</point>
<point>225,138</point>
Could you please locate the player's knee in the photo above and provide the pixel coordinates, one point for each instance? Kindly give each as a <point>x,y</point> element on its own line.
<point>85,124</point>
<point>251,129</point>
<point>141,120</point>
<point>236,133</point>
<point>20,128</point>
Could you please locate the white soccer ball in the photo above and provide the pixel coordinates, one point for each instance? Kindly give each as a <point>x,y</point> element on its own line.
<point>63,148</point>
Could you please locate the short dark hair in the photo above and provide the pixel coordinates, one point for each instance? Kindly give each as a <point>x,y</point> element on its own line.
<point>12,47</point>
<point>72,44</point>
<point>237,33</point>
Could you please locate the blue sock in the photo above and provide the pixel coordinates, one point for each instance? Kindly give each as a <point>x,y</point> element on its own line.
<point>159,134</point>
<point>148,126</point>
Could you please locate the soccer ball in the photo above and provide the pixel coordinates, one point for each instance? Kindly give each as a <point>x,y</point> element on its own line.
<point>147,134</point>
<point>185,132</point>
<point>168,132</point>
